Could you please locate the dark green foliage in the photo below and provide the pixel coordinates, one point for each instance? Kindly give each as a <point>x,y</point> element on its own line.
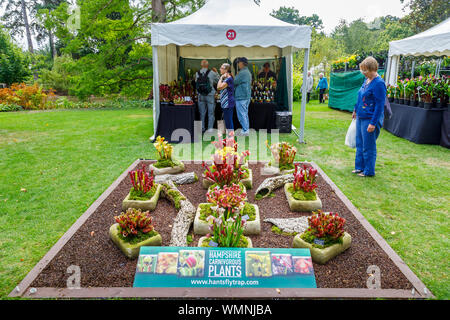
<point>139,237</point>
<point>165,163</point>
<point>14,64</point>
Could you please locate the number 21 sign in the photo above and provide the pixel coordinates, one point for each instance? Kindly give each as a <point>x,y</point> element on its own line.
<point>231,34</point>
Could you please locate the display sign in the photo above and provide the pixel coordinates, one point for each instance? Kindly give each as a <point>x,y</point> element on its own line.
<point>224,268</point>
<point>231,34</point>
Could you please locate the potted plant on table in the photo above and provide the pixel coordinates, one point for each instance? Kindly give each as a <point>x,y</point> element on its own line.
<point>301,194</point>
<point>428,90</point>
<point>409,91</point>
<point>390,91</point>
<point>164,95</point>
<point>325,237</point>
<point>132,230</point>
<point>144,193</point>
<point>283,154</point>
<point>401,91</point>
<point>165,164</point>
<point>226,223</point>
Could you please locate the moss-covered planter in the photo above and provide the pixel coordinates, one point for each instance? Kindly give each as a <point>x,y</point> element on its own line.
<point>270,170</point>
<point>299,205</point>
<point>248,183</point>
<point>200,242</point>
<point>319,255</point>
<point>128,249</point>
<point>179,167</point>
<point>149,205</point>
<point>253,227</point>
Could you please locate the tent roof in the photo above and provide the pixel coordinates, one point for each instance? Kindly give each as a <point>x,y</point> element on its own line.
<point>432,42</point>
<point>209,26</point>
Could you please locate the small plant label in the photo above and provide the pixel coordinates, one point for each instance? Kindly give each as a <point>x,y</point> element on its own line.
<point>319,242</point>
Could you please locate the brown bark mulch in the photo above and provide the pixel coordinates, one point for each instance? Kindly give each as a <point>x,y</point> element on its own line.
<point>103,265</point>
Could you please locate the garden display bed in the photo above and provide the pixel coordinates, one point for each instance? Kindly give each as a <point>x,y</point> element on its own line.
<point>106,272</point>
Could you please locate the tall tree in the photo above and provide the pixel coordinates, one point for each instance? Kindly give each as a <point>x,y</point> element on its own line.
<point>44,29</point>
<point>16,19</point>
<point>292,15</point>
<point>14,64</point>
<point>425,13</point>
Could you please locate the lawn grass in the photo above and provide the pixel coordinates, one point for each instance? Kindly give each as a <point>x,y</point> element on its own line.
<point>66,159</point>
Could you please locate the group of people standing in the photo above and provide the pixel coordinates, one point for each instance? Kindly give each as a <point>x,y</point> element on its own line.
<point>235,93</point>
<point>322,86</point>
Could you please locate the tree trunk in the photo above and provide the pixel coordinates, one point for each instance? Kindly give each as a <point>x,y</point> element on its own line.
<point>27,27</point>
<point>158,11</point>
<point>52,44</point>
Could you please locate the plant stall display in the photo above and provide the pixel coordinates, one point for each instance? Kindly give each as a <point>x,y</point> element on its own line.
<point>410,89</point>
<point>325,236</point>
<point>226,223</point>
<point>132,230</point>
<point>401,91</point>
<point>177,92</point>
<point>283,154</point>
<point>144,193</point>
<point>263,90</point>
<point>227,158</point>
<point>301,194</point>
<point>165,164</point>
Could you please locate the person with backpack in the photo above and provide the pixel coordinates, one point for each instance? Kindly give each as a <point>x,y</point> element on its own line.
<point>205,80</point>
<point>369,115</point>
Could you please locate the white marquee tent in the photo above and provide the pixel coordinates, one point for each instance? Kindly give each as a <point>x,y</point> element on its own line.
<point>226,29</point>
<point>432,42</point>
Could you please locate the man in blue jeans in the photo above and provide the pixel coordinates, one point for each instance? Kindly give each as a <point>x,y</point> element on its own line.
<point>242,94</point>
<point>206,93</point>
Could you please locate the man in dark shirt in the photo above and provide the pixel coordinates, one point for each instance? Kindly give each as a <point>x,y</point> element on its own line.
<point>266,73</point>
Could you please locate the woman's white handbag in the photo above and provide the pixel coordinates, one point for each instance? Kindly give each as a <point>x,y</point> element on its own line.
<point>350,138</point>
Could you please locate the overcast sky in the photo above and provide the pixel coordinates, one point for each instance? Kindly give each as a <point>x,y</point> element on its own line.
<point>331,11</point>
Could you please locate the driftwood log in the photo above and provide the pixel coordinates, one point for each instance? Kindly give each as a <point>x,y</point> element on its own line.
<point>273,183</point>
<point>182,178</point>
<point>290,225</point>
<point>185,216</point>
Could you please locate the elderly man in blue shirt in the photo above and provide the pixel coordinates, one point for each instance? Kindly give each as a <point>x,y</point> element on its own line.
<point>322,86</point>
<point>242,94</point>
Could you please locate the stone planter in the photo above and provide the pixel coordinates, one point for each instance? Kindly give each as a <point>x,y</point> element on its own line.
<point>248,183</point>
<point>168,170</point>
<point>270,170</point>
<point>132,250</point>
<point>299,205</point>
<point>149,205</point>
<point>201,227</point>
<point>321,256</point>
<point>250,245</point>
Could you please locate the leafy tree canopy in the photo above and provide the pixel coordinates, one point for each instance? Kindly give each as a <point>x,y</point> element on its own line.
<point>292,15</point>
<point>14,64</point>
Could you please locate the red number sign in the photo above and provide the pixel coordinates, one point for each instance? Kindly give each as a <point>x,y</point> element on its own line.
<point>231,34</point>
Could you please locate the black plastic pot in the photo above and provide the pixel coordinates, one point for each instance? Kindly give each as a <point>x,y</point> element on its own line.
<point>420,104</point>
<point>427,105</point>
<point>414,103</point>
<point>391,99</point>
<point>401,101</point>
<point>407,102</point>
<point>396,100</point>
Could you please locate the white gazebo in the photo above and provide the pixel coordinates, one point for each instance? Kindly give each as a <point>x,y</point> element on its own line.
<point>226,29</point>
<point>432,42</point>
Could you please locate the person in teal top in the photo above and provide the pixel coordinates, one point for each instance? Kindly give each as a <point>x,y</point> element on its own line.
<point>322,86</point>
<point>242,94</point>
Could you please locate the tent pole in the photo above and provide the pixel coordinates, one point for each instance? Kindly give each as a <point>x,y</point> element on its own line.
<point>301,137</point>
<point>155,90</point>
<point>412,68</point>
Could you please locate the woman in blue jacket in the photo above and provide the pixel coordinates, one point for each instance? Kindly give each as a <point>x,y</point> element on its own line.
<point>369,114</point>
<point>322,86</point>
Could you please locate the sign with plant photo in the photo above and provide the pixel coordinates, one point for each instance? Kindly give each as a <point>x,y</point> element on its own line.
<point>224,268</point>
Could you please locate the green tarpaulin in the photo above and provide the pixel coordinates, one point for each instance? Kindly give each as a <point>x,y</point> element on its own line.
<point>344,88</point>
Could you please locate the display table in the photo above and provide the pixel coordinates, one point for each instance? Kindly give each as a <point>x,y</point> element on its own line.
<point>415,124</point>
<point>174,117</point>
